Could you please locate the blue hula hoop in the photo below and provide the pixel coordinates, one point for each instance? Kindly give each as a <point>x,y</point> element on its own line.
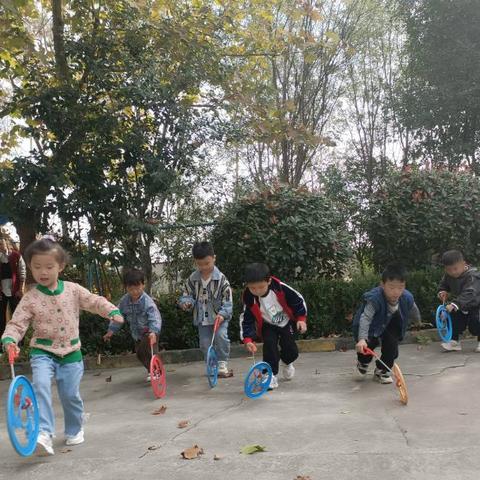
<point>212,367</point>
<point>23,421</point>
<point>443,320</point>
<point>258,380</point>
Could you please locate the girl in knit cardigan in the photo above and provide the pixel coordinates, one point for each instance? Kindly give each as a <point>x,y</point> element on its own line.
<point>52,308</point>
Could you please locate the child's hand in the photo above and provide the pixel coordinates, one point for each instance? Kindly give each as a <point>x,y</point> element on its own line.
<point>361,346</point>
<point>443,295</point>
<point>117,318</point>
<point>251,347</point>
<point>302,326</point>
<point>12,346</point>
<point>152,338</point>
<point>450,308</point>
<point>108,336</point>
<point>186,306</point>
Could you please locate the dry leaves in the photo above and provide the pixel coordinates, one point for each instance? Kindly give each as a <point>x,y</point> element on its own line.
<point>193,452</point>
<point>183,423</point>
<point>217,457</point>
<point>302,477</point>
<point>160,411</point>
<point>108,379</point>
<point>66,450</point>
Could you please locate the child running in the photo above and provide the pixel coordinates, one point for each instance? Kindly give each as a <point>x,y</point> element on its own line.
<point>142,315</point>
<point>53,310</point>
<point>462,283</point>
<point>208,292</point>
<point>271,311</point>
<point>382,319</point>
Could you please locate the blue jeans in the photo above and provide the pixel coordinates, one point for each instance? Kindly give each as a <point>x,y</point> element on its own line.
<point>221,343</point>
<point>67,376</point>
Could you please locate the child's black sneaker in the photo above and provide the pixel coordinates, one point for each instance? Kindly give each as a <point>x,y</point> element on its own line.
<point>361,371</point>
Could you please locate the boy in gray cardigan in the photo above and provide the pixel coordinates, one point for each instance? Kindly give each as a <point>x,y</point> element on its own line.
<point>208,293</point>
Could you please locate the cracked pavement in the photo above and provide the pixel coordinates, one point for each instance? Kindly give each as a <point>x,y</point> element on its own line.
<point>322,424</point>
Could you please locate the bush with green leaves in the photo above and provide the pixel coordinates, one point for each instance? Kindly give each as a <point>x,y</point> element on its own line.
<point>419,214</point>
<point>298,233</point>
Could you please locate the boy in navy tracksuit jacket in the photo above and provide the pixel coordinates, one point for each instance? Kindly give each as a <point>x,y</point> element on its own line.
<point>271,309</point>
<point>382,319</point>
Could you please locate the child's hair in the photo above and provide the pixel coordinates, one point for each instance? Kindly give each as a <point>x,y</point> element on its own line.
<point>46,245</point>
<point>451,257</point>
<point>201,250</point>
<point>132,277</point>
<point>394,271</point>
<point>256,272</point>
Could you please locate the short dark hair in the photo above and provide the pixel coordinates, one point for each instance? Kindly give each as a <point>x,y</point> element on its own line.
<point>133,276</point>
<point>202,249</point>
<point>257,272</point>
<point>394,271</point>
<point>45,246</point>
<point>451,257</point>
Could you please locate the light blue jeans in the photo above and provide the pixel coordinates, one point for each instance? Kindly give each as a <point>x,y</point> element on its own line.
<point>67,376</point>
<point>221,343</point>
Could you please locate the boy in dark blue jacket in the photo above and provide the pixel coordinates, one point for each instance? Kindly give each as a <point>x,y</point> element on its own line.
<point>271,309</point>
<point>382,319</point>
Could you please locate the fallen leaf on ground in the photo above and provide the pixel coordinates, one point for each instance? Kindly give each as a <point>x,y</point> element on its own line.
<point>183,423</point>
<point>108,379</point>
<point>160,411</point>
<point>191,453</point>
<point>97,374</point>
<point>302,477</point>
<point>249,449</point>
<point>345,412</point>
<point>217,457</point>
<point>66,450</point>
<point>154,447</point>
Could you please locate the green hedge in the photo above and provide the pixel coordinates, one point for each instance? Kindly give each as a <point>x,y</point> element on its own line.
<point>331,304</point>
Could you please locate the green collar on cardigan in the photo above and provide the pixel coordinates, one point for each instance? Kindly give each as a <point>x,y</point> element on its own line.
<point>47,291</point>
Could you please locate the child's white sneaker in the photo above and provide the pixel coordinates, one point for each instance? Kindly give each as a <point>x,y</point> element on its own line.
<point>76,439</point>
<point>222,368</point>
<point>478,348</point>
<point>452,346</point>
<point>273,383</point>
<point>44,445</point>
<point>288,371</point>
<point>383,377</point>
<point>148,378</point>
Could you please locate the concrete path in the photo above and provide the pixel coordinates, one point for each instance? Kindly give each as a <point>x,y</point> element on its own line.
<point>322,424</point>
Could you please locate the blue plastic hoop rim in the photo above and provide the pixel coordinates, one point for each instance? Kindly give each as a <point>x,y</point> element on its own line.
<point>22,416</point>
<point>212,367</point>
<point>443,320</point>
<point>258,380</point>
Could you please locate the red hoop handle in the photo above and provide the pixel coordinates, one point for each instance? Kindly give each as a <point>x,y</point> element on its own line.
<point>369,351</point>
<point>12,353</point>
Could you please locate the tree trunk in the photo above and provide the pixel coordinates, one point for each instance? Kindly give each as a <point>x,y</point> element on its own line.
<point>58,40</point>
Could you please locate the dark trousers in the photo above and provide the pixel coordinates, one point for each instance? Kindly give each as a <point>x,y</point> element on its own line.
<point>460,321</point>
<point>13,302</point>
<point>389,340</point>
<point>274,336</point>
<point>144,352</point>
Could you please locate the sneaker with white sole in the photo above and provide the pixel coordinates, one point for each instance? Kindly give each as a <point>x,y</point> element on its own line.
<point>44,445</point>
<point>148,379</point>
<point>361,370</point>
<point>478,348</point>
<point>452,346</point>
<point>222,367</point>
<point>288,371</point>
<point>273,383</point>
<point>76,439</point>
<point>383,376</point>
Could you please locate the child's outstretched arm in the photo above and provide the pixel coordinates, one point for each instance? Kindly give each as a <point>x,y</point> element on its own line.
<point>154,318</point>
<point>98,305</point>
<point>366,319</point>
<point>187,299</point>
<point>18,325</point>
<point>414,316</point>
<point>469,297</point>
<point>226,310</point>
